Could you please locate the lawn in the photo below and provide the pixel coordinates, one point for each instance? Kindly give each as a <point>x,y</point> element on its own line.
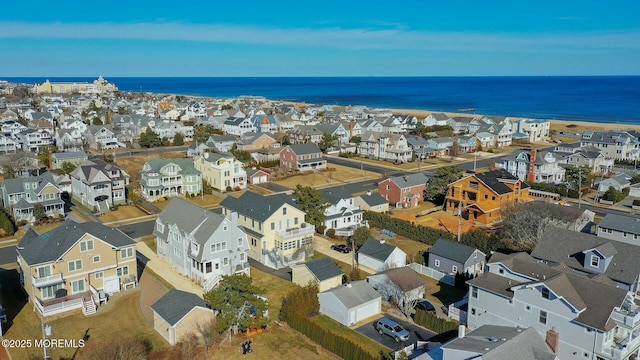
<point>346,268</point>
<point>276,289</point>
<point>440,293</point>
<point>348,333</point>
<point>125,317</point>
<point>335,175</point>
<point>122,213</point>
<point>207,201</point>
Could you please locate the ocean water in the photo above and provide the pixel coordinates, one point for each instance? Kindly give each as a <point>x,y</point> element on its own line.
<point>604,99</point>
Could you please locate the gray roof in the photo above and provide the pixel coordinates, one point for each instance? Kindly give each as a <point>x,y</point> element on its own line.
<point>185,164</point>
<point>50,246</point>
<point>69,155</point>
<point>303,149</point>
<point>333,196</point>
<point>410,180</point>
<point>621,223</point>
<point>256,206</point>
<point>176,304</point>
<point>492,180</point>
<point>373,199</point>
<point>494,283</point>
<point>376,249</point>
<point>358,293</point>
<point>502,342</point>
<point>452,250</point>
<point>323,268</point>
<point>565,246</point>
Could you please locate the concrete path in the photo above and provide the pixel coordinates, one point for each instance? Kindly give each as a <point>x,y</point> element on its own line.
<point>150,260</point>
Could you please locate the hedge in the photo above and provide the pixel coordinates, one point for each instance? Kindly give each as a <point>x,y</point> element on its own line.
<point>434,323</point>
<point>405,228</point>
<point>6,224</point>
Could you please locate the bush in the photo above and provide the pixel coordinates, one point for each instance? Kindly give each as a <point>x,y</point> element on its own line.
<point>636,202</point>
<point>331,233</point>
<point>229,188</point>
<point>320,229</point>
<point>433,322</point>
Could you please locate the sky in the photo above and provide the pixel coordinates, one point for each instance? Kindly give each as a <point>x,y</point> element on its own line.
<point>319,38</point>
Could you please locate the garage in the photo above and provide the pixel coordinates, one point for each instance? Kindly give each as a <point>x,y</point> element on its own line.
<point>351,303</point>
<point>257,176</point>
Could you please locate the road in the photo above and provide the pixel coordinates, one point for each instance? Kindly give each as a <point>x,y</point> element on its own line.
<point>8,255</point>
<point>417,333</point>
<point>138,230</point>
<point>366,166</point>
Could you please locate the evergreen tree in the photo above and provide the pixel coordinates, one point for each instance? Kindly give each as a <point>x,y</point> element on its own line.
<point>67,167</point>
<point>311,202</point>
<point>178,140</point>
<point>327,141</point>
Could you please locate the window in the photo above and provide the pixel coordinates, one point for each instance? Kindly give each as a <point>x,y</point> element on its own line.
<point>239,242</point>
<point>122,271</point>
<point>126,253</point>
<point>545,293</point>
<point>500,271</point>
<point>50,291</point>
<point>98,275</point>
<point>273,226</point>
<point>543,317</point>
<point>474,292</point>
<point>475,254</point>
<point>624,234</point>
<point>473,311</point>
<point>254,242</point>
<point>86,245</point>
<point>77,286</point>
<point>284,211</point>
<point>595,261</point>
<point>75,265</point>
<point>454,269</point>
<point>44,271</point>
<point>242,257</point>
<point>436,263</point>
<point>177,252</point>
<point>388,188</point>
<point>96,259</point>
<point>225,261</point>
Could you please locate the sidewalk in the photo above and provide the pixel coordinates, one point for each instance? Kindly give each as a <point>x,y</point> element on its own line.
<point>153,262</point>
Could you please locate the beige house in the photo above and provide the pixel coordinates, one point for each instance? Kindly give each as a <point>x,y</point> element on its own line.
<point>372,202</point>
<point>178,314</point>
<point>322,271</point>
<point>256,141</point>
<point>75,266</point>
<point>221,171</point>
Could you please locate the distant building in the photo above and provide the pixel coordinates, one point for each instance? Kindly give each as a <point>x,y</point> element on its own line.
<point>76,158</point>
<point>99,86</point>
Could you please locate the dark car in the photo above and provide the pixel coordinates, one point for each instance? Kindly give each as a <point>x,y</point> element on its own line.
<point>426,306</point>
<point>341,248</point>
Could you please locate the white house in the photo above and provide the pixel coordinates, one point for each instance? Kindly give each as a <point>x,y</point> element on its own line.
<point>351,303</point>
<point>379,256</point>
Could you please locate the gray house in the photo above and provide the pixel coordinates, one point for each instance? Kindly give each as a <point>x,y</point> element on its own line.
<point>351,303</point>
<point>620,228</point>
<point>379,256</point>
<point>452,258</point>
<point>99,183</point>
<point>401,284</point>
<point>20,195</point>
<point>200,244</point>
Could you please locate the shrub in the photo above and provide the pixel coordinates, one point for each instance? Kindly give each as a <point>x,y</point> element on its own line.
<point>320,229</point>
<point>331,233</point>
<point>433,322</point>
<point>229,188</point>
<point>636,202</point>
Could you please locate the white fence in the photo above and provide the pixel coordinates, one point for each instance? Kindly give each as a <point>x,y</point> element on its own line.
<point>434,274</point>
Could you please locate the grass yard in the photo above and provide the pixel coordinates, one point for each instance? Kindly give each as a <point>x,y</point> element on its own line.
<point>123,213</point>
<point>133,164</point>
<point>347,333</point>
<point>411,247</point>
<point>207,201</point>
<point>125,317</point>
<point>334,176</point>
<point>440,293</point>
<point>276,289</point>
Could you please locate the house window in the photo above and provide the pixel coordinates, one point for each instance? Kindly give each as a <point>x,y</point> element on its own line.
<point>96,259</point>
<point>475,254</point>
<point>98,275</point>
<point>122,271</point>
<point>50,291</point>
<point>595,261</point>
<point>75,265</point>
<point>239,242</point>
<point>177,252</point>
<point>454,269</point>
<point>545,293</point>
<point>284,211</point>
<point>436,263</point>
<point>254,242</point>
<point>44,271</point>
<point>543,317</point>
<point>225,261</point>
<point>388,187</point>
<point>242,257</point>
<point>474,292</point>
<point>126,253</point>
<point>273,226</point>
<point>295,220</point>
<point>86,245</point>
<point>77,286</point>
<point>224,228</point>
<point>208,268</point>
<point>624,234</point>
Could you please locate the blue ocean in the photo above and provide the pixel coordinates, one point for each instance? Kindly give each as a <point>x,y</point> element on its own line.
<point>603,99</point>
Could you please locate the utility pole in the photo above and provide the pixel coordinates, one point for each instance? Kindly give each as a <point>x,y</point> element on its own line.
<point>459,219</point>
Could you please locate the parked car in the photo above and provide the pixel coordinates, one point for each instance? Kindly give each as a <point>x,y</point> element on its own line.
<point>426,306</point>
<point>393,329</point>
<point>341,248</point>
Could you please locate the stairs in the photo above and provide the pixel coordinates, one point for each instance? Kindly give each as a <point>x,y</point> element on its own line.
<point>88,307</point>
<point>212,282</point>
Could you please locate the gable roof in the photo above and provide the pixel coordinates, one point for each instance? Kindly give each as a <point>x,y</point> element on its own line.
<point>50,246</point>
<point>452,250</point>
<point>303,149</point>
<point>621,223</point>
<point>492,179</point>
<point>405,278</point>
<point>376,249</point>
<point>411,180</point>
<point>359,292</point>
<point>256,206</point>
<point>373,199</point>
<point>175,304</point>
<point>323,268</point>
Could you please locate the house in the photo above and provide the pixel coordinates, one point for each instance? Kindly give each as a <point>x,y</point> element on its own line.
<point>221,143</point>
<point>537,130</point>
<point>454,258</point>
<point>75,265</point>
<point>589,254</point>
<point>342,215</point>
<point>166,178</point>
<point>420,147</point>
<point>497,342</point>
<point>618,182</point>
<point>588,315</point>
<point>178,314</point>
<point>302,157</point>
<point>256,141</point>
<point>619,145</point>
<point>381,146</point>
<point>222,171</point>
<point>379,256</point>
<point>238,126</point>
<point>481,196</point>
<point>75,157</point>
<point>336,130</point>
<point>401,285</point>
<point>69,139</point>
<point>583,156</point>
<point>486,139</point>
<point>277,233</point>
<point>31,139</point>
<point>305,134</point>
<point>533,166</point>
<point>322,271</point>
<point>441,146</point>
<point>372,202</point>
<point>97,183</point>
<point>440,119</point>
<point>166,129</point>
<point>265,123</point>
<point>21,195</point>
<point>8,145</point>
<point>351,303</point>
<point>620,228</point>
<point>201,245</point>
<point>404,191</point>
<point>100,137</point>
<point>257,176</point>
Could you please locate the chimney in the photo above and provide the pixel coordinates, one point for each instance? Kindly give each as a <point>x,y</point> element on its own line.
<point>553,340</point>
<point>531,177</point>
<point>405,178</point>
<point>461,331</point>
<point>234,218</point>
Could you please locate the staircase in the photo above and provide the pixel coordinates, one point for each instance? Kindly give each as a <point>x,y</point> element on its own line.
<point>212,282</point>
<point>88,307</point>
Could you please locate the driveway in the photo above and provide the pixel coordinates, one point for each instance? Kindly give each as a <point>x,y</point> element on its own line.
<point>417,333</point>
<point>323,245</point>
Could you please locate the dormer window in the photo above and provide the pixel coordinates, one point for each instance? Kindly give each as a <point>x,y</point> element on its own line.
<point>595,261</point>
<point>545,293</point>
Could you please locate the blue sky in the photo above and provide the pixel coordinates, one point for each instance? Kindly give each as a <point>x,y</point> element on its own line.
<point>322,38</point>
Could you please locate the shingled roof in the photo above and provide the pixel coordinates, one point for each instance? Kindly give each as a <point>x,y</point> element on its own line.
<point>452,250</point>
<point>176,304</point>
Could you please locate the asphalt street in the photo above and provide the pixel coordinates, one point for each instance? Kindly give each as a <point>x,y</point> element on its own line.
<point>8,255</point>
<point>416,333</point>
<point>138,230</point>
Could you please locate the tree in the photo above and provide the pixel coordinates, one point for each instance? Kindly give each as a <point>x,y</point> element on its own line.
<point>613,195</point>
<point>96,121</point>
<point>149,139</point>
<point>67,167</point>
<point>578,177</point>
<point>44,152</point>
<point>286,140</point>
<point>311,202</point>
<point>360,236</point>
<point>301,300</point>
<point>237,303</point>
<point>439,184</point>
<point>208,334</point>
<point>8,171</point>
<point>356,139</point>
<point>326,142</point>
<point>178,139</point>
<point>126,348</point>
<point>635,179</point>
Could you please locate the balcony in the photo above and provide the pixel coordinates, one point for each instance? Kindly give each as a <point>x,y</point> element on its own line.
<point>622,347</point>
<point>302,231</point>
<point>629,317</point>
<point>47,280</point>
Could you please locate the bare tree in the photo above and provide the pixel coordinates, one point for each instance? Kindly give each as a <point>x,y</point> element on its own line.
<point>208,334</point>
<point>127,348</point>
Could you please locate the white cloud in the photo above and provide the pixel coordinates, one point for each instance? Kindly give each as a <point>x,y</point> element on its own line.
<point>390,38</point>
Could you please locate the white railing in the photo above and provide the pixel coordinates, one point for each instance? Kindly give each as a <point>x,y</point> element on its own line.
<point>628,320</point>
<point>47,280</point>
<point>212,282</point>
<point>305,229</point>
<point>60,307</point>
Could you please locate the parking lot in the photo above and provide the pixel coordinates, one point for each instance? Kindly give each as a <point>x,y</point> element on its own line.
<point>417,333</point>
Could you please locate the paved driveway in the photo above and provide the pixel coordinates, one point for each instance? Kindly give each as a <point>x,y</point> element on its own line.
<point>417,333</point>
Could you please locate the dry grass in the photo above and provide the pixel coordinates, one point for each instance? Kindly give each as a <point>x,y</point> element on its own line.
<point>276,289</point>
<point>133,164</point>
<point>411,247</point>
<point>207,201</point>
<point>122,213</point>
<point>335,175</point>
<point>443,294</point>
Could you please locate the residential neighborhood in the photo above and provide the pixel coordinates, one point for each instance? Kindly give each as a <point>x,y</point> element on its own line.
<point>266,221</point>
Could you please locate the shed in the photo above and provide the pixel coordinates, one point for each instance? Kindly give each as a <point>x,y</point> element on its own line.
<point>351,303</point>
<point>177,314</point>
<point>323,271</point>
<point>379,256</point>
